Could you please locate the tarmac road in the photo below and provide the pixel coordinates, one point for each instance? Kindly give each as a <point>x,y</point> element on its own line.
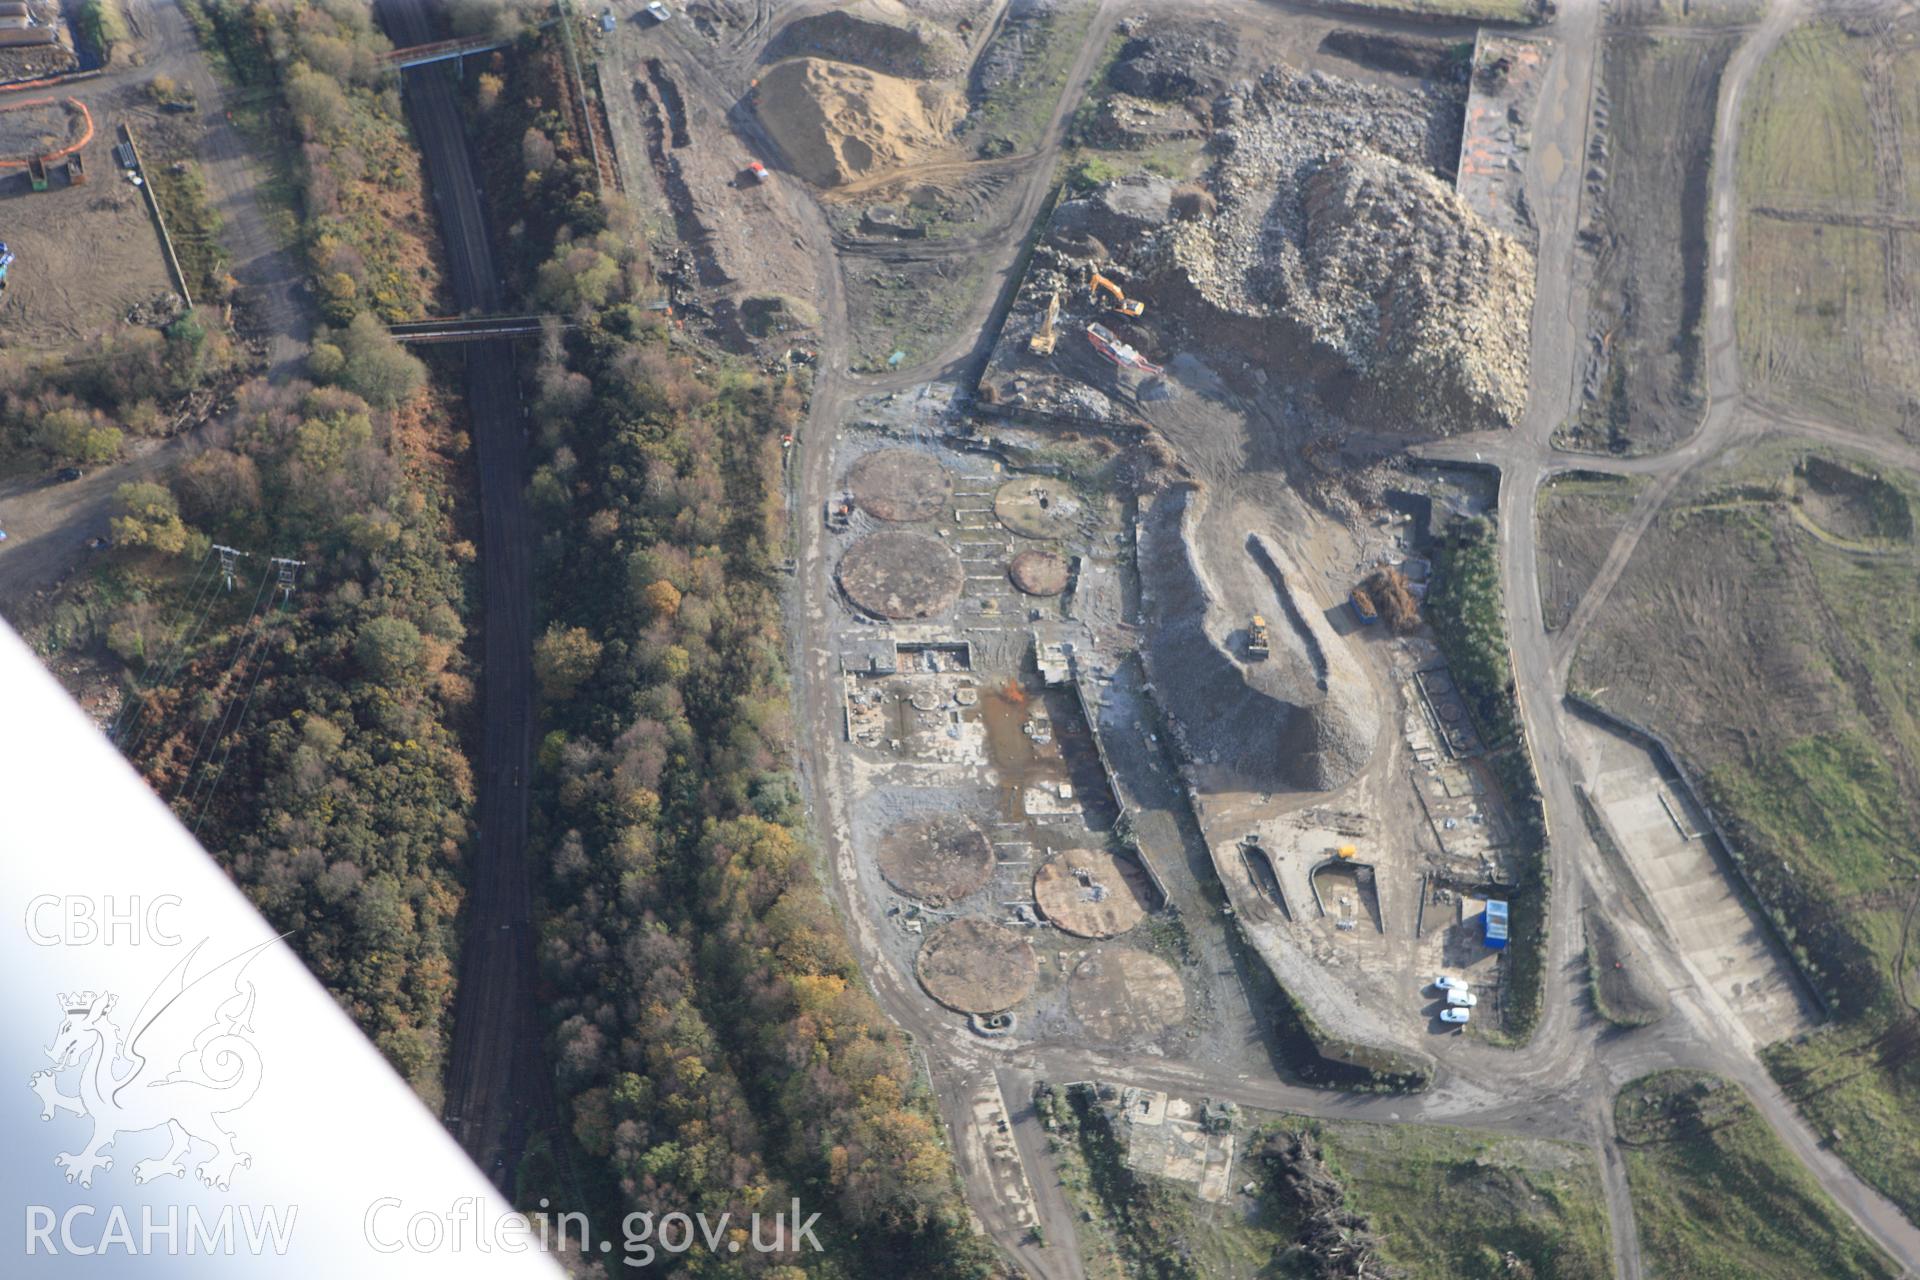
<point>497,1084</point>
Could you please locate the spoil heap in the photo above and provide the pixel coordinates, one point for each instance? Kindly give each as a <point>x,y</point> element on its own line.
<point>837,122</point>
<point>1332,229</point>
<point>1282,725</point>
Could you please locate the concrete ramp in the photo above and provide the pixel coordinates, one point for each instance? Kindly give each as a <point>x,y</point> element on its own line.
<point>1660,833</point>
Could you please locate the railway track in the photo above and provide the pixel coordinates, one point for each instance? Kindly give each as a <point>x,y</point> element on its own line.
<point>476,328</point>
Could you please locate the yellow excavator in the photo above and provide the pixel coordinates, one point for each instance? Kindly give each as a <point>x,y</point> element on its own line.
<point>1041,343</point>
<point>1257,642</point>
<point>1130,307</point>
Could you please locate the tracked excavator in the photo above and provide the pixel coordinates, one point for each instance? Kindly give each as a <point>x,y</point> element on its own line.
<point>1041,343</point>
<point>1130,307</point>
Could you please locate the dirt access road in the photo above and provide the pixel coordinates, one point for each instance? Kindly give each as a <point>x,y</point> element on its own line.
<point>1540,661</point>
<point>498,1087</point>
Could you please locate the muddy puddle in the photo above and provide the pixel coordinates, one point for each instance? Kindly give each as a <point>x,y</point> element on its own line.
<point>1038,740</point>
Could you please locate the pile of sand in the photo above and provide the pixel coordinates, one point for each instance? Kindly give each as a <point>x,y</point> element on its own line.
<point>836,122</point>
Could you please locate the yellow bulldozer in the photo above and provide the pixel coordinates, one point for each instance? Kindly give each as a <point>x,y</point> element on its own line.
<point>1257,641</point>
<point>1130,307</point>
<point>1041,343</point>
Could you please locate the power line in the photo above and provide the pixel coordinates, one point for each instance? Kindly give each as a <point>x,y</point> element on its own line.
<point>287,575</point>
<point>200,596</point>
<point>184,651</point>
<point>176,634</point>
<point>215,770</point>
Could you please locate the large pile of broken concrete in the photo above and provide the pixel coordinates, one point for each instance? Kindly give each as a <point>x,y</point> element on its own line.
<point>1333,232</point>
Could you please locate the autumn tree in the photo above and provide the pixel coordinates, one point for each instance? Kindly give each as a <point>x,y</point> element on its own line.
<point>75,435</point>
<point>563,658</point>
<point>148,517</point>
<point>388,648</point>
<point>373,365</point>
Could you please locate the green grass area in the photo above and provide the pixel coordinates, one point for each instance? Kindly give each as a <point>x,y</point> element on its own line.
<point>1813,307</point>
<point>1716,1196</point>
<point>1439,1203</point>
<point>1578,516</point>
<point>1904,74</point>
<point>1020,113</point>
<point>1527,11</point>
<point>1450,1203</point>
<point>103,24</point>
<point>1856,1085</point>
<point>912,308</point>
<point>1711,13</point>
<point>194,226</point>
<point>1612,493</point>
<point>1828,803</point>
<point>1806,135</point>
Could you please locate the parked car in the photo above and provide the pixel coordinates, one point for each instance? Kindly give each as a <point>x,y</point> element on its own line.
<point>1458,1016</point>
<point>1444,983</point>
<point>658,12</point>
<point>66,474</point>
<point>1457,999</point>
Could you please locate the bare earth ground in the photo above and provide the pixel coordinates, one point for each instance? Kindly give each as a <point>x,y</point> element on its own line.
<point>1643,377</point>
<point>1830,223</point>
<point>1579,517</point>
<point>84,255</point>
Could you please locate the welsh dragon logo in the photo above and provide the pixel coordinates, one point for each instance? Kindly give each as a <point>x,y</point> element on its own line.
<point>187,1062</point>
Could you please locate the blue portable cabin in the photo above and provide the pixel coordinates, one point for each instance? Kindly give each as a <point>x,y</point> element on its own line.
<point>1495,919</point>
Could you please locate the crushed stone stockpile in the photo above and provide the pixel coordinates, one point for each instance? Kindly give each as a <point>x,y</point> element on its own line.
<point>1332,222</point>
<point>837,122</point>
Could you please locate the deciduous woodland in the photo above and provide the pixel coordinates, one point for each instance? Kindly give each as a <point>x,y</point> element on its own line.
<point>714,1044</point>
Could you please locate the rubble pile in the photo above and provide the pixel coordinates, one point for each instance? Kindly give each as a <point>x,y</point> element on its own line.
<point>1415,290</point>
<point>1332,224</point>
<point>1333,1240</point>
<point>1169,59</point>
